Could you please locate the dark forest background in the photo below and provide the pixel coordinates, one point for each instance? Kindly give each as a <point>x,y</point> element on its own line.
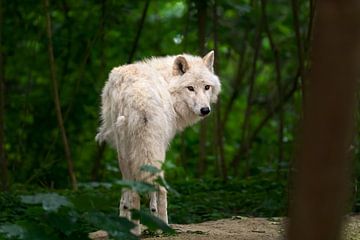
<point>54,60</point>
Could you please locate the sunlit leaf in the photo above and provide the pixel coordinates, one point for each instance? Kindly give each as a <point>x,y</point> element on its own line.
<point>152,222</point>
<point>140,187</point>
<point>49,201</point>
<point>117,227</point>
<point>12,231</point>
<point>150,169</point>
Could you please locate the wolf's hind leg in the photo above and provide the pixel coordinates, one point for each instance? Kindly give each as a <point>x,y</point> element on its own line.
<point>154,203</point>
<point>125,204</point>
<point>162,204</point>
<point>135,204</point>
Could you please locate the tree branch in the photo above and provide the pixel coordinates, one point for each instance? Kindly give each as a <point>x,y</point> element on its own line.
<point>275,52</point>
<point>138,33</point>
<point>56,97</point>
<point>246,122</point>
<point>3,160</point>
<point>219,130</point>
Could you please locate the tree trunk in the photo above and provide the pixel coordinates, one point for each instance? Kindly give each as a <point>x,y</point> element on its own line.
<point>275,52</point>
<point>201,17</point>
<point>100,149</point>
<point>3,160</point>
<point>322,176</point>
<point>299,46</point>
<point>57,99</point>
<point>238,80</point>
<point>183,156</point>
<point>218,123</point>
<point>138,33</point>
<point>246,122</point>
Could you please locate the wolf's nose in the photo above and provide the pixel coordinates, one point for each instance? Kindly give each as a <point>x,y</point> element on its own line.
<point>205,111</point>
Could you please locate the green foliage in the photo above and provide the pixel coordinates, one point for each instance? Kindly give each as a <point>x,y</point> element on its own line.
<point>92,37</point>
<point>69,216</point>
<point>153,223</point>
<point>140,187</point>
<point>72,215</point>
<point>49,201</point>
<point>212,199</point>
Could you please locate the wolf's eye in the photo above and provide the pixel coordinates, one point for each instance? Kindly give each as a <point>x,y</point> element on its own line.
<point>207,87</point>
<point>190,88</point>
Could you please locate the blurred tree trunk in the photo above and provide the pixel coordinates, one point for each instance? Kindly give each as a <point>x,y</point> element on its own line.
<point>243,149</point>
<point>299,46</point>
<point>246,123</point>
<point>201,7</point>
<point>68,41</point>
<point>238,79</point>
<point>322,163</point>
<point>100,149</point>
<point>219,136</point>
<point>278,80</point>
<point>183,156</point>
<point>138,33</point>
<point>57,99</point>
<point>3,160</point>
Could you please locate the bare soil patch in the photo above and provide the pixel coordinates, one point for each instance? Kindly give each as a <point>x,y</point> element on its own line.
<point>245,228</point>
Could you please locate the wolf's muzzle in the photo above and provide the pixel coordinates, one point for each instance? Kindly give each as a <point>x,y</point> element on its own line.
<point>204,111</point>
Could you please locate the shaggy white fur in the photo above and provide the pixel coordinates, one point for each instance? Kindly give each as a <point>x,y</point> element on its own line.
<point>143,105</point>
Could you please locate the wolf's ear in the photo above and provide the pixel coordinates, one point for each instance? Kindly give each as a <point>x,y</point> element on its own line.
<point>209,60</point>
<point>180,66</point>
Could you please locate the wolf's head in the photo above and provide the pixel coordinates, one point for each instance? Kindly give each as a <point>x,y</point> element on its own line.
<point>194,86</point>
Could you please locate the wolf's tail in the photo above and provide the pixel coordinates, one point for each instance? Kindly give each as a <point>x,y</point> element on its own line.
<point>105,133</point>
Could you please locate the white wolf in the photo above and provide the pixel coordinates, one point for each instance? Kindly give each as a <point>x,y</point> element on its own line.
<point>143,105</point>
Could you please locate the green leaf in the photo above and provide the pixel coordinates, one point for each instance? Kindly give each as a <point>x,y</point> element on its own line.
<point>117,227</point>
<point>64,221</point>
<point>12,231</point>
<point>50,201</point>
<point>140,187</point>
<point>38,231</point>
<point>161,181</point>
<point>152,222</point>
<point>150,169</point>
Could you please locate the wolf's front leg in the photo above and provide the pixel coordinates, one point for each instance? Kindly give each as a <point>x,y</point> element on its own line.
<point>162,204</point>
<point>153,203</point>
<point>135,204</point>
<point>125,205</point>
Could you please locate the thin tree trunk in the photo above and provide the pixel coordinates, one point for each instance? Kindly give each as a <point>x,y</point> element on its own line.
<point>56,98</point>
<point>275,52</point>
<point>246,122</point>
<point>309,33</point>
<point>183,156</point>
<point>238,80</point>
<point>3,160</point>
<point>322,176</point>
<point>244,148</point>
<point>138,33</point>
<point>299,46</point>
<point>186,29</point>
<point>219,130</point>
<point>68,40</point>
<point>201,15</point>
<point>100,149</point>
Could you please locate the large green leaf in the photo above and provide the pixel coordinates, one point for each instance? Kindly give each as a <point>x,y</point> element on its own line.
<point>150,169</point>
<point>12,231</point>
<point>140,187</point>
<point>50,201</point>
<point>152,222</point>
<point>117,227</point>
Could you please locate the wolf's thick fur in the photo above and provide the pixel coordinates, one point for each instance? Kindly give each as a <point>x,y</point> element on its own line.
<point>143,105</point>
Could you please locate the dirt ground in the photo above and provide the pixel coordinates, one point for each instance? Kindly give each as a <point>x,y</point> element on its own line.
<point>245,228</point>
